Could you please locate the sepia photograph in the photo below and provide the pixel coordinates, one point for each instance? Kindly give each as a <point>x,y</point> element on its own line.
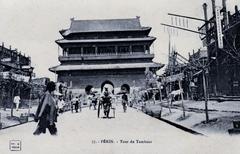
<point>120,77</point>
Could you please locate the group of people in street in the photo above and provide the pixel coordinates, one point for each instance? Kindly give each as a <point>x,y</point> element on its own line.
<point>93,100</point>
<point>50,106</point>
<point>76,104</point>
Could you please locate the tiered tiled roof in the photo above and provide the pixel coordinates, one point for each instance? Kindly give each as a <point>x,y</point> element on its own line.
<point>104,25</point>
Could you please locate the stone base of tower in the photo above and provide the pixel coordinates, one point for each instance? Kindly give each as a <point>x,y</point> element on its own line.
<point>79,80</point>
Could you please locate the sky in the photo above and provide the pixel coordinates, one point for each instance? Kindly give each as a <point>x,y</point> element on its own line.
<point>32,26</point>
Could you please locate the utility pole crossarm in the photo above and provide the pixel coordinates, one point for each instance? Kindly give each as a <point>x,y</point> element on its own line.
<point>194,18</point>
<point>183,29</point>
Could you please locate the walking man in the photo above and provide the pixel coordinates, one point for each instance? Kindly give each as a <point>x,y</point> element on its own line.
<point>124,102</point>
<point>16,101</point>
<point>76,104</point>
<point>46,112</point>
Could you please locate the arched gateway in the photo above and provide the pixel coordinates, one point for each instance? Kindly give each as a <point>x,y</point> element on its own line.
<point>107,84</point>
<point>88,89</point>
<point>125,87</point>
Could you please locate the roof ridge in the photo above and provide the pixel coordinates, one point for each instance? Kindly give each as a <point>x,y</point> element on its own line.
<point>99,25</point>
<point>104,19</point>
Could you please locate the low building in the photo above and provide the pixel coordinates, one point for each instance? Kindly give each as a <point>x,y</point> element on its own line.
<point>15,74</point>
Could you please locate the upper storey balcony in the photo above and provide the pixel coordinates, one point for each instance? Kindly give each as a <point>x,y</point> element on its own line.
<point>105,57</point>
<point>105,53</point>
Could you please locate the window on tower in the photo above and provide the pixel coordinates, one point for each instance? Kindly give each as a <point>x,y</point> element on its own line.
<point>74,51</point>
<point>106,50</point>
<point>88,50</point>
<point>137,49</point>
<point>123,49</point>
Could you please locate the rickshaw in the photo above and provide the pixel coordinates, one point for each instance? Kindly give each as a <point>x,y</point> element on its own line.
<point>105,103</point>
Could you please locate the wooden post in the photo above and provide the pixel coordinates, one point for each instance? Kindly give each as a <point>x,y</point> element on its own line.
<point>96,50</point>
<point>130,49</point>
<point>12,98</point>
<point>81,51</point>
<point>116,50</point>
<point>160,93</point>
<point>181,91</point>
<point>144,48</point>
<point>169,107</point>
<point>225,15</point>
<point>203,73</point>
<point>205,96</point>
<point>213,7</point>
<point>2,52</point>
<point>2,93</point>
<point>30,103</point>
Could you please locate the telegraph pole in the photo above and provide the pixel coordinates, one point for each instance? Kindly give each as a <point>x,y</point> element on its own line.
<point>205,89</point>
<point>225,15</point>
<point>205,94</point>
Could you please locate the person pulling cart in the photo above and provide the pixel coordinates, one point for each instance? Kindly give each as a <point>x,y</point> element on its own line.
<point>105,103</point>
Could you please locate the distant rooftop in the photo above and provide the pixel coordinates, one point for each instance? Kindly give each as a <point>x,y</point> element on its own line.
<point>104,25</point>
